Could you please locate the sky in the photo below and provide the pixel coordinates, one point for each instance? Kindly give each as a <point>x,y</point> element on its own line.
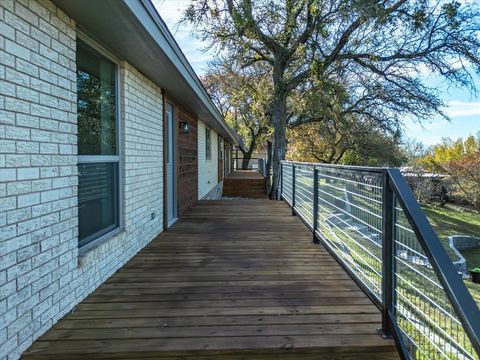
<point>462,107</point>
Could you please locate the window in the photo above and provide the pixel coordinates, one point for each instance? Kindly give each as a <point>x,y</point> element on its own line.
<point>208,144</point>
<point>220,147</point>
<point>98,168</point>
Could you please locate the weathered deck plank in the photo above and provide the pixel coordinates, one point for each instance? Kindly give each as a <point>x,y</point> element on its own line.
<point>230,280</point>
<point>244,183</point>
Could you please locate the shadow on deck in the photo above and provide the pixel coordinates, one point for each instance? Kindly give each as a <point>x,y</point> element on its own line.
<point>244,183</point>
<point>230,280</point>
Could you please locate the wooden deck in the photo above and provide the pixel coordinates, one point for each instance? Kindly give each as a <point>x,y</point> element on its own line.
<point>245,175</point>
<point>230,280</point>
<point>244,183</point>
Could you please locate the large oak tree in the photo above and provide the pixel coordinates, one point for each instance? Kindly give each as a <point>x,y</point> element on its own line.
<point>373,54</point>
<point>242,98</point>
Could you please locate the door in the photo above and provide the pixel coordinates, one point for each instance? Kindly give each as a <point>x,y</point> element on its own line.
<point>171,167</point>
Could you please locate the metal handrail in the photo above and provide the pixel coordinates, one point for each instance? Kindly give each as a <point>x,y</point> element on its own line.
<point>338,166</point>
<point>241,158</point>
<point>458,294</point>
<point>259,162</point>
<point>397,298</point>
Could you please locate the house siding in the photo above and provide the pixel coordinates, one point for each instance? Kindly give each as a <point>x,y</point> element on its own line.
<point>42,274</point>
<point>187,164</point>
<point>207,168</point>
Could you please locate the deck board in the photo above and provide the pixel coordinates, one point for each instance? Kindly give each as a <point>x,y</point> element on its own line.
<point>230,280</point>
<point>244,184</point>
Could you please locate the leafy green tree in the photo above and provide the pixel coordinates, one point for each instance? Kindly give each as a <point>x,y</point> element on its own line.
<point>241,97</point>
<point>344,142</point>
<point>369,53</point>
<point>450,150</point>
<point>466,174</point>
<point>461,160</point>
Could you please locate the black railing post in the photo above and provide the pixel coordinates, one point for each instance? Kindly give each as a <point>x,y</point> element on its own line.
<point>293,189</point>
<point>315,204</point>
<point>388,257</point>
<point>281,180</point>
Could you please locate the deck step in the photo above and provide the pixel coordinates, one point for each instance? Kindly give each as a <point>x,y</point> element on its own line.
<point>246,184</point>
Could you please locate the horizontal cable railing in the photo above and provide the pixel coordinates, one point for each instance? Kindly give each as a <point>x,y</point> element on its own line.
<point>246,164</point>
<point>370,221</point>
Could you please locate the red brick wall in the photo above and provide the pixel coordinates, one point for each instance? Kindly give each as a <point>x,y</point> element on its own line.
<point>187,189</point>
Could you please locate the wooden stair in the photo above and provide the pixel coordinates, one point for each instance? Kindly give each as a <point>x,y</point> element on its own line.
<point>245,184</point>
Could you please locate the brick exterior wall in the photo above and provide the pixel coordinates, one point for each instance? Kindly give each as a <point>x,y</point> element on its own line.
<point>42,274</point>
<point>187,164</point>
<point>207,168</point>
<point>143,155</point>
<point>38,173</point>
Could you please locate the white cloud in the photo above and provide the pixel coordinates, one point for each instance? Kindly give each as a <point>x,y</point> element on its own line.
<point>458,108</point>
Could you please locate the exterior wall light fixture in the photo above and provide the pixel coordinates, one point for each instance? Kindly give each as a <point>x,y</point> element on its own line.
<point>184,127</point>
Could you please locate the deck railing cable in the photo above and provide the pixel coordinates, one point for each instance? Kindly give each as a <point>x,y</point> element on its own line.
<point>370,221</point>
<point>249,164</point>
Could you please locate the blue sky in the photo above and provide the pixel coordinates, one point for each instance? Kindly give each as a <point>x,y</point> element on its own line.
<point>463,108</point>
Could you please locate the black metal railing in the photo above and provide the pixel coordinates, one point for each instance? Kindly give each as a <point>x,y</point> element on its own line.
<point>370,221</point>
<point>250,164</point>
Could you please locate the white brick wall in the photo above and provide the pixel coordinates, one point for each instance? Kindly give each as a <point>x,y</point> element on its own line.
<point>38,183</point>
<point>143,155</point>
<point>207,169</point>
<point>42,275</point>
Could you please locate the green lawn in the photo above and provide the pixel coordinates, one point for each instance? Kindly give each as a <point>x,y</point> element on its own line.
<point>452,222</point>
<point>473,257</point>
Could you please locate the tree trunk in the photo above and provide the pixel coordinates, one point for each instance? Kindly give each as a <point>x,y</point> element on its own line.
<point>268,165</point>
<point>247,156</point>
<point>279,121</point>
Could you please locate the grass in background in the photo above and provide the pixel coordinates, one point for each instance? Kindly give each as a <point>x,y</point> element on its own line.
<point>473,257</point>
<point>448,222</point>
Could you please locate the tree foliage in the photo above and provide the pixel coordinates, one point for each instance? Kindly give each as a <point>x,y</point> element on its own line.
<point>461,160</point>
<point>241,97</point>
<point>344,142</point>
<point>344,57</point>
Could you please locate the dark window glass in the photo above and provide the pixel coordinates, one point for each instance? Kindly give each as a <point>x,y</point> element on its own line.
<point>208,145</point>
<point>97,200</point>
<point>96,103</point>
<point>98,172</point>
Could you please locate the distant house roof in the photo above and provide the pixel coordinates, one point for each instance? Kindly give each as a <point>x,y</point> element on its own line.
<point>409,171</point>
<point>134,31</point>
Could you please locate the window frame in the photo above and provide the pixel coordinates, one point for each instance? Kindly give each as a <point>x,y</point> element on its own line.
<point>220,148</point>
<point>208,144</point>
<point>94,239</point>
